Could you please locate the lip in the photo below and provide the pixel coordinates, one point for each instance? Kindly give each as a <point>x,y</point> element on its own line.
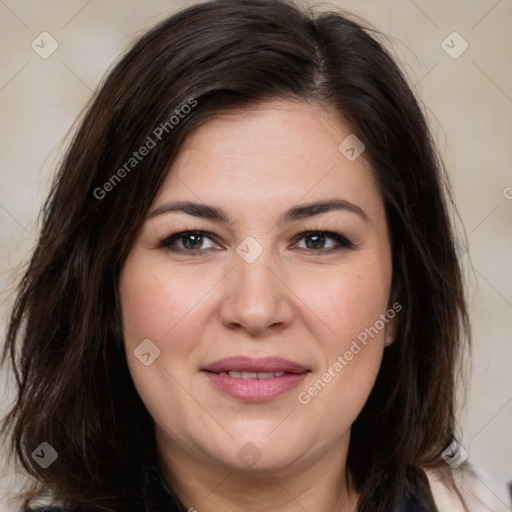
<point>249,364</point>
<point>255,390</point>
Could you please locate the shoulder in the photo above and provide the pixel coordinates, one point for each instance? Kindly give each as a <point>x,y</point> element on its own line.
<point>480,490</point>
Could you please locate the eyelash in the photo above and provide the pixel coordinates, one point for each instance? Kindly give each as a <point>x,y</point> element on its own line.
<point>342,241</point>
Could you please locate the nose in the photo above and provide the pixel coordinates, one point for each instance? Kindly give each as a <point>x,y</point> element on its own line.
<point>256,297</point>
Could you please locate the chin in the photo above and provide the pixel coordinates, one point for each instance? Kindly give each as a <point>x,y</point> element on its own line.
<point>255,450</point>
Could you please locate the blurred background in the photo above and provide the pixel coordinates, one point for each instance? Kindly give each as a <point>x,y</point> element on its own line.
<point>458,57</point>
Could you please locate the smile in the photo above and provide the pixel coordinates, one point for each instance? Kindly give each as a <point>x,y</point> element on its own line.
<point>255,380</point>
<point>252,375</point>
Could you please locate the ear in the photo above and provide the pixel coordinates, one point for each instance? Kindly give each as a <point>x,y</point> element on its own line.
<point>390,332</point>
<point>393,319</point>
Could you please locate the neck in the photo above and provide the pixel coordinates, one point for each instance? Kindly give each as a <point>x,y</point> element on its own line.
<point>313,484</point>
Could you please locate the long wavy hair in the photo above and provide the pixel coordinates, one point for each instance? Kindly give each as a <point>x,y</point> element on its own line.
<point>64,338</point>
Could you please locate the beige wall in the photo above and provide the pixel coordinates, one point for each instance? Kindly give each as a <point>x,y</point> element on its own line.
<point>469,99</point>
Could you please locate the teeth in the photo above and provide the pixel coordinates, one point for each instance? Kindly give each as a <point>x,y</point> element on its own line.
<point>265,375</point>
<point>253,375</point>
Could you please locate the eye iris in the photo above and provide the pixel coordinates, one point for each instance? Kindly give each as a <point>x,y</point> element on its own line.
<point>318,241</point>
<point>195,238</point>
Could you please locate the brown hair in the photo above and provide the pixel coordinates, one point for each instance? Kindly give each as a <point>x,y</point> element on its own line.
<point>64,338</point>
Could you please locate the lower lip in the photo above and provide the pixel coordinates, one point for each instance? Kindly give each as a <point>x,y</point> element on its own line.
<point>256,390</point>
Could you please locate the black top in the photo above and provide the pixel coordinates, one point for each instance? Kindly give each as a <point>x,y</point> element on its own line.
<point>158,497</point>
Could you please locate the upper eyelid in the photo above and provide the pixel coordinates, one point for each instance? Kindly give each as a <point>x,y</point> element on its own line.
<point>183,233</point>
<point>212,237</point>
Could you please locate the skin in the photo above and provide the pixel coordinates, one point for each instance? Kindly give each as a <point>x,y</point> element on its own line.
<point>303,305</point>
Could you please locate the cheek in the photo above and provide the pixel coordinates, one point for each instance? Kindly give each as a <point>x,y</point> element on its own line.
<point>348,301</point>
<point>163,308</point>
<point>171,308</point>
<point>158,305</point>
<point>348,310</point>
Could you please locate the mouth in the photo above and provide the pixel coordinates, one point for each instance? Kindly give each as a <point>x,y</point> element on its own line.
<point>252,375</point>
<point>255,380</point>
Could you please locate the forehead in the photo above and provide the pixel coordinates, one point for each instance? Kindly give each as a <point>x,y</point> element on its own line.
<point>275,153</point>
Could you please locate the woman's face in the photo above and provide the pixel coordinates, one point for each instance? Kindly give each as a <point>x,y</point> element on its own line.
<point>264,342</point>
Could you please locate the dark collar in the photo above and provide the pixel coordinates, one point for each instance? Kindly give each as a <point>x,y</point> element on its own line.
<point>156,492</point>
<point>412,502</point>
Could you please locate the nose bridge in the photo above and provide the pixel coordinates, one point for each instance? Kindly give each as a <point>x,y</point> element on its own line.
<point>255,277</point>
<point>255,298</point>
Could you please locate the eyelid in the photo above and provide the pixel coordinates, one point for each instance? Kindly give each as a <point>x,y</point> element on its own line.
<point>166,242</point>
<point>343,242</point>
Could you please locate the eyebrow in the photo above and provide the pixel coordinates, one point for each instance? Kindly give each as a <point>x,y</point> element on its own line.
<point>216,214</point>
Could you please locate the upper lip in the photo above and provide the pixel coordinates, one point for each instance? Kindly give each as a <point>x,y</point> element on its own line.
<point>249,364</point>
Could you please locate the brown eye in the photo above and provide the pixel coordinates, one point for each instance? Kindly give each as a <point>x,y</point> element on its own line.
<point>188,241</point>
<point>315,241</point>
<point>192,241</point>
<point>324,241</point>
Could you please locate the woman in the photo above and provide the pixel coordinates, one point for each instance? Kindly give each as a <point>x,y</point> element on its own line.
<point>246,292</point>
